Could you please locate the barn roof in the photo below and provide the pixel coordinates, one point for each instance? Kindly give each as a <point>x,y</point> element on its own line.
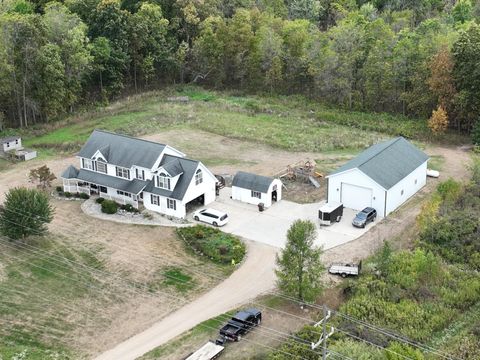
<point>388,162</point>
<point>251,181</point>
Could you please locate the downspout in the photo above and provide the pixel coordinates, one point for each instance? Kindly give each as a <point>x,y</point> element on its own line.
<point>385,206</point>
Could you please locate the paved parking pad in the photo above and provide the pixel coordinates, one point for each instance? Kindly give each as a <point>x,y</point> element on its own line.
<point>270,226</point>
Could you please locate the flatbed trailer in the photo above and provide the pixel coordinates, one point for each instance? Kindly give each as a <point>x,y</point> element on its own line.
<point>209,351</point>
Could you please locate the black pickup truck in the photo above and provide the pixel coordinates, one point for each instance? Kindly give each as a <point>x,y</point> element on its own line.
<point>240,324</point>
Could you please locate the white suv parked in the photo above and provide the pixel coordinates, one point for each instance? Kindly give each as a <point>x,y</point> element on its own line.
<point>211,216</point>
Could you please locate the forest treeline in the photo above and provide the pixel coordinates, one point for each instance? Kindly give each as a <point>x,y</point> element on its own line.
<point>399,56</point>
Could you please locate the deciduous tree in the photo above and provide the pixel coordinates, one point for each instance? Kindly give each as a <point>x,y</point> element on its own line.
<point>299,267</point>
<point>438,122</point>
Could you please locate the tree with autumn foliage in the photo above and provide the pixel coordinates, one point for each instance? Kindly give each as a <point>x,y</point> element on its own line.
<point>438,122</point>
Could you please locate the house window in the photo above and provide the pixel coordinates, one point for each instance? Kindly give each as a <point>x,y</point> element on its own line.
<point>154,199</point>
<point>198,177</point>
<point>256,194</point>
<point>16,142</point>
<point>103,189</point>
<point>122,172</point>
<point>171,204</point>
<point>140,174</point>
<point>163,181</point>
<point>123,193</point>
<point>401,193</point>
<point>101,166</point>
<point>416,181</point>
<point>88,164</point>
<point>8,144</point>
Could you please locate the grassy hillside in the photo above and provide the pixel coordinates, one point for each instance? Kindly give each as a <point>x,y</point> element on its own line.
<point>292,123</point>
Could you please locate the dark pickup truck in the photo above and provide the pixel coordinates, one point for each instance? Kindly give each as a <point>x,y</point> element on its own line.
<point>240,324</point>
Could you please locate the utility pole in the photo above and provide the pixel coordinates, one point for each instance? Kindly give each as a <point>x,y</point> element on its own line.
<point>323,340</point>
<point>324,334</point>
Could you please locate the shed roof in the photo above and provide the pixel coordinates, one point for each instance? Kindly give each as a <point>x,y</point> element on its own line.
<point>9,139</point>
<point>251,181</point>
<point>122,150</point>
<point>388,162</point>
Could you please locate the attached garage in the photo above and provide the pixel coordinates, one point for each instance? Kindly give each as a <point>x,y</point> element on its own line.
<point>255,189</point>
<point>383,177</point>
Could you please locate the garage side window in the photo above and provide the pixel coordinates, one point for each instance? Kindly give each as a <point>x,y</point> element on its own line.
<point>171,204</point>
<point>256,194</point>
<point>198,177</point>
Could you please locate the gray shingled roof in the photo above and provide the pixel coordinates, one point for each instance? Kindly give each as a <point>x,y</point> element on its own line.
<point>9,139</point>
<point>188,166</point>
<point>173,167</point>
<point>70,173</point>
<point>251,181</point>
<point>388,162</point>
<point>122,150</point>
<point>130,186</point>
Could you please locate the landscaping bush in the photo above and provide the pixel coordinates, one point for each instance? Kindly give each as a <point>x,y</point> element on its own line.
<point>59,189</point>
<point>100,200</point>
<point>129,208</point>
<point>213,243</point>
<point>109,207</point>
<point>84,196</point>
<point>68,194</point>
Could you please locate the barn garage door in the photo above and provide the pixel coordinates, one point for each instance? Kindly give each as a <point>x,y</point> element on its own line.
<point>356,197</point>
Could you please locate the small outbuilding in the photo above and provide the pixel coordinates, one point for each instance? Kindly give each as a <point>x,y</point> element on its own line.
<point>255,189</point>
<point>383,177</point>
<point>11,143</point>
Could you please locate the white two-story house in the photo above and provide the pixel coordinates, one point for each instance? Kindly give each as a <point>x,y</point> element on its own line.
<point>133,171</point>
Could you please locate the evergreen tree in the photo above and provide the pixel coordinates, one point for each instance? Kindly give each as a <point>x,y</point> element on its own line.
<point>25,212</point>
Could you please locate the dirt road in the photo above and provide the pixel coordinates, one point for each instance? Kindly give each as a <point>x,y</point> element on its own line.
<point>254,277</point>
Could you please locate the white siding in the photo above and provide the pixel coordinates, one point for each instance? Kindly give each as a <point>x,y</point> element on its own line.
<point>207,187</point>
<point>245,195</point>
<point>358,178</point>
<point>11,145</point>
<point>162,207</point>
<point>395,198</point>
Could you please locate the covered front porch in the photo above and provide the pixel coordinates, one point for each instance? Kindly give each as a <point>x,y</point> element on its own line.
<point>91,189</point>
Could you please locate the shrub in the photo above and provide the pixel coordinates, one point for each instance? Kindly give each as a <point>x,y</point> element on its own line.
<point>129,208</point>
<point>59,189</point>
<point>68,194</point>
<point>449,190</point>
<point>213,243</point>
<point>84,196</point>
<point>100,200</point>
<point>109,207</point>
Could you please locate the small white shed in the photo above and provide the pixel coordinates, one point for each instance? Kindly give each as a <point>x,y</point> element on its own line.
<point>11,143</point>
<point>255,189</point>
<point>383,177</point>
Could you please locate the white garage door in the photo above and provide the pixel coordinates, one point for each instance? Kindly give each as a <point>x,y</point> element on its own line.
<point>356,197</point>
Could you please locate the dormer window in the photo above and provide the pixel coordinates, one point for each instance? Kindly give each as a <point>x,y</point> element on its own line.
<point>198,177</point>
<point>101,166</point>
<point>163,181</point>
<point>88,164</point>
<point>122,172</point>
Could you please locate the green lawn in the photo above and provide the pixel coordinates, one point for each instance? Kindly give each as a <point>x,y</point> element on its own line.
<point>293,123</point>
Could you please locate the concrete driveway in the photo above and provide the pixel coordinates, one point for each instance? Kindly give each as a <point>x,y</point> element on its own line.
<point>270,227</point>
